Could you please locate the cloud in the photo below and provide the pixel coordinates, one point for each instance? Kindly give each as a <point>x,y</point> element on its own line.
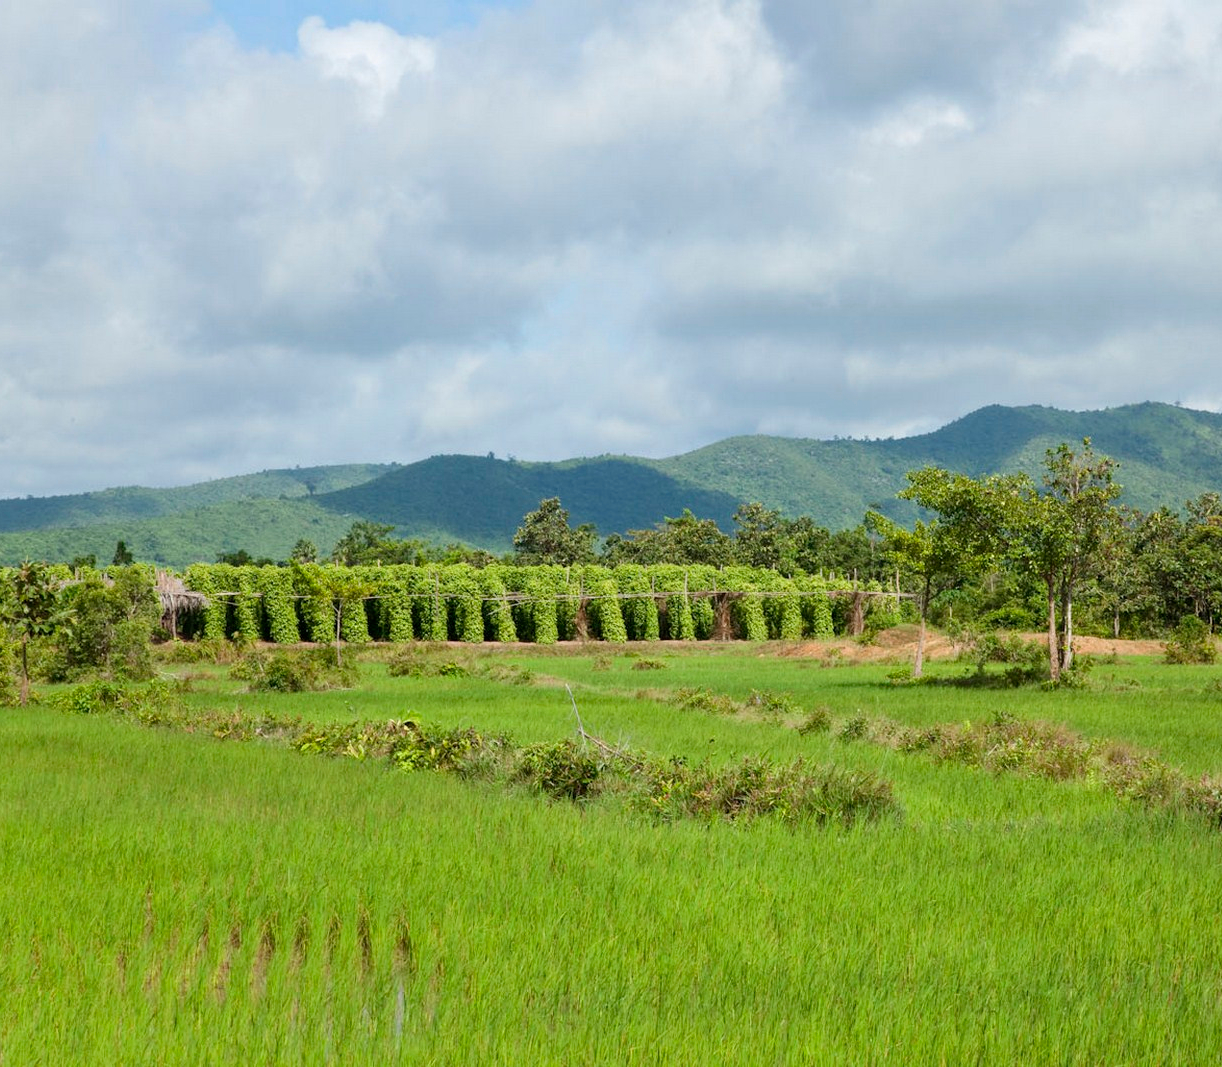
<point>581,226</point>
<point>368,54</point>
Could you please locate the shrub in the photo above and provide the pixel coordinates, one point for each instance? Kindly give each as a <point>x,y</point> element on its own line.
<point>1191,643</point>
<point>561,769</point>
<point>312,670</point>
<point>112,626</point>
<point>152,703</point>
<point>700,698</point>
<point>9,692</point>
<point>774,706</point>
<point>818,721</point>
<point>412,662</point>
<point>854,729</point>
<point>792,793</point>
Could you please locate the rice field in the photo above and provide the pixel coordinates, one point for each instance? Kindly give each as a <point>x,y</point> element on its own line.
<point>171,898</point>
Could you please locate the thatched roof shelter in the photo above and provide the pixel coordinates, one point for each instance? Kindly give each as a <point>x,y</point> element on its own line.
<point>176,600</point>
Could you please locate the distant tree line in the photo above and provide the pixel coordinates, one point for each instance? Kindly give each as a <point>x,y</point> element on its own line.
<point>1004,552</point>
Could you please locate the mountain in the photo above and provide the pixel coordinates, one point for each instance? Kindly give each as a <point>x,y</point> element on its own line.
<point>1167,455</point>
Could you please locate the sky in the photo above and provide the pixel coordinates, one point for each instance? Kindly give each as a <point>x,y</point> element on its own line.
<point>237,236</point>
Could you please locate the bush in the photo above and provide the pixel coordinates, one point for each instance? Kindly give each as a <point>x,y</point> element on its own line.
<point>700,698</point>
<point>818,721</point>
<point>153,703</point>
<point>112,626</point>
<point>412,662</point>
<point>313,670</point>
<point>773,706</point>
<point>1026,662</point>
<point>8,683</point>
<point>561,769</point>
<point>1191,643</point>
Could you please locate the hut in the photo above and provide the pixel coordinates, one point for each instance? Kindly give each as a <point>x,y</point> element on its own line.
<point>177,601</point>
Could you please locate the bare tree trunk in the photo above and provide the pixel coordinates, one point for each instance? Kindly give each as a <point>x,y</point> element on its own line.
<point>1116,624</point>
<point>857,616</point>
<point>1067,634</point>
<point>919,665</point>
<point>1054,657</point>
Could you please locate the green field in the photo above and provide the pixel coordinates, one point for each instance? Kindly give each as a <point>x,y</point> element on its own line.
<point>169,897</point>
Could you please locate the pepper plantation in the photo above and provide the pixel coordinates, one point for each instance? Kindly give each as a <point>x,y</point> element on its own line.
<point>537,604</point>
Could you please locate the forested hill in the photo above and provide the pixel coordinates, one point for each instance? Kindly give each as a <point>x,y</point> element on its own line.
<point>1167,455</point>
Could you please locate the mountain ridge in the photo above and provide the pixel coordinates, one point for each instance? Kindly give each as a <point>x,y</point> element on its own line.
<point>1167,454</point>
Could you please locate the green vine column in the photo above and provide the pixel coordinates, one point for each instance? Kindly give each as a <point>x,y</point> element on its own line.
<point>351,586</point>
<point>429,605</point>
<point>461,585</point>
<point>606,618</point>
<point>784,612</point>
<point>882,612</point>
<point>247,608</point>
<point>702,578</point>
<point>676,623</point>
<point>498,617</point>
<point>314,603</point>
<point>201,578</point>
<point>396,604</point>
<point>747,609</point>
<point>816,610</point>
<point>538,608</point>
<point>279,616</point>
<point>640,611</point>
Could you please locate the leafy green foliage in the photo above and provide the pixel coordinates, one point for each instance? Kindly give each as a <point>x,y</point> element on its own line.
<point>545,536</point>
<point>283,671</point>
<point>110,626</point>
<point>683,540</point>
<point>1191,643</point>
<point>30,609</point>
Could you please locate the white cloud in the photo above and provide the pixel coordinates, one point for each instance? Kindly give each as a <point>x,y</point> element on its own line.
<point>372,56</point>
<point>585,226</point>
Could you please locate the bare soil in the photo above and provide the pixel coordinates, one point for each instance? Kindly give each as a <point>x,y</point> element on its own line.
<point>899,644</point>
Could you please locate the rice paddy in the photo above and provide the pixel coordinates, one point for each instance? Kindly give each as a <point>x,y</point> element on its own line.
<point>169,897</point>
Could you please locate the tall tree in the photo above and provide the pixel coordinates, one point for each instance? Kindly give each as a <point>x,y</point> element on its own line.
<point>1060,532</point>
<point>686,539</point>
<point>545,536</point>
<point>762,538</point>
<point>941,553</point>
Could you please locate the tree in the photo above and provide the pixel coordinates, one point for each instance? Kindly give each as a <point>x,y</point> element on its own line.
<point>122,558</point>
<point>32,610</point>
<point>941,553</point>
<point>1200,557</point>
<point>545,536</point>
<point>362,543</point>
<point>110,624</point>
<point>1057,535</point>
<point>304,551</point>
<point>682,540</point>
<point>1054,535</point>
<point>762,538</point>
<point>370,543</point>
<point>339,587</point>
